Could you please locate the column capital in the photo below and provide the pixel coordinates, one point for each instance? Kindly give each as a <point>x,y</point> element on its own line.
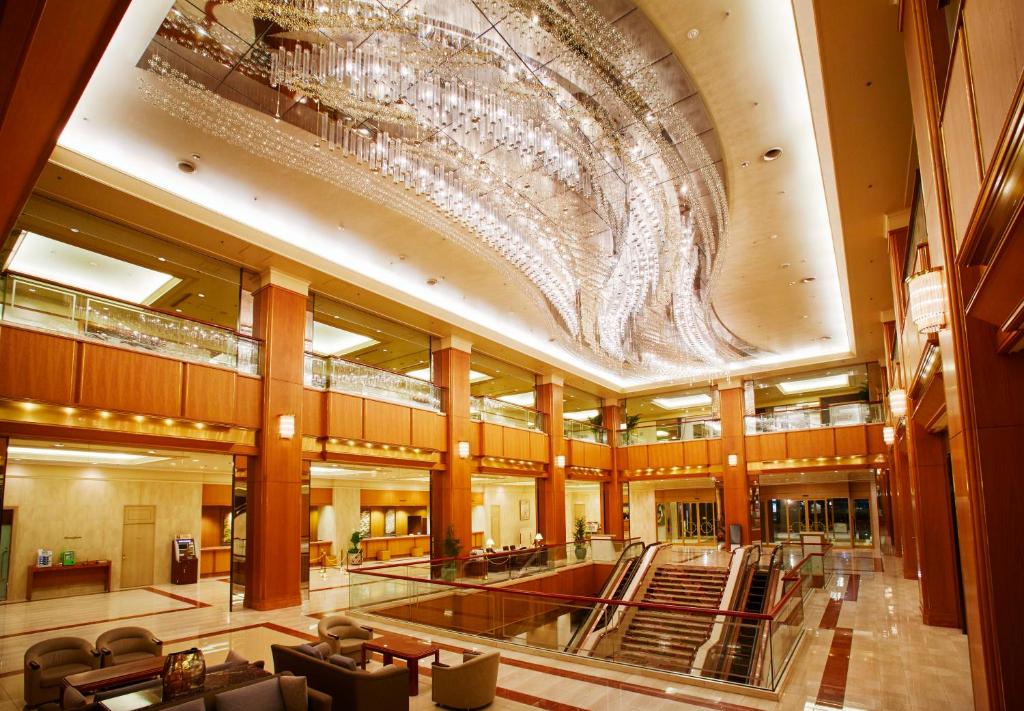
<point>276,277</point>
<point>457,343</point>
<point>552,380</point>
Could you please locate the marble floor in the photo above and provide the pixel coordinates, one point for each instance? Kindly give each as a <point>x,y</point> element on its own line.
<point>864,646</point>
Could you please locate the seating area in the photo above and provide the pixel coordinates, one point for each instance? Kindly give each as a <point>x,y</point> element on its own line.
<point>125,670</point>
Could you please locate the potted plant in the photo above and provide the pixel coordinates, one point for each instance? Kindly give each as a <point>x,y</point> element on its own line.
<point>355,551</point>
<point>579,537</point>
<point>630,423</point>
<point>452,547</point>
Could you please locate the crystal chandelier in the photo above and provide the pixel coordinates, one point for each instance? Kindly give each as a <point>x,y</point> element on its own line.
<point>898,402</point>
<point>533,134</point>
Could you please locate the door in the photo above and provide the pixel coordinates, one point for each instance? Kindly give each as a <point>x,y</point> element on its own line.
<point>6,533</point>
<point>496,525</point>
<point>138,546</point>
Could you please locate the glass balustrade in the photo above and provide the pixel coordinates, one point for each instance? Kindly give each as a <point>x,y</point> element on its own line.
<point>677,431</point>
<point>51,307</point>
<point>584,432</point>
<point>316,372</point>
<point>850,413</point>
<point>364,380</point>
<point>499,412</point>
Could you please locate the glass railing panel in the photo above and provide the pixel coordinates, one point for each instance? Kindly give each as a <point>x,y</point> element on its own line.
<point>499,412</point>
<point>584,432</point>
<point>367,381</point>
<point>851,413</point>
<point>51,307</point>
<point>316,372</point>
<point>681,431</point>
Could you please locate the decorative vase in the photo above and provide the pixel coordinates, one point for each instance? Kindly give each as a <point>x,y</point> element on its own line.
<point>581,552</point>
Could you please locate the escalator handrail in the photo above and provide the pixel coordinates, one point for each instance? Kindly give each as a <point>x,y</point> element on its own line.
<point>623,569</point>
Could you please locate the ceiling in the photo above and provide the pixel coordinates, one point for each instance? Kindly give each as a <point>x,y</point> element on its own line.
<point>820,81</point>
<point>82,457</point>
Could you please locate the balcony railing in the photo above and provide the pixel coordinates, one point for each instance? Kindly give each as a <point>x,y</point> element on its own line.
<point>51,307</point>
<point>850,413</point>
<point>677,431</point>
<point>499,412</point>
<point>344,376</point>
<point>584,432</point>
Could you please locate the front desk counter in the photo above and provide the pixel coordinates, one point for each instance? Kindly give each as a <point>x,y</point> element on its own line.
<point>395,546</point>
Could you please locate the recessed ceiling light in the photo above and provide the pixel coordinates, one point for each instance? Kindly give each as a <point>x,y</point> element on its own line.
<point>202,295</point>
<point>745,164</point>
<point>774,237</point>
<point>807,280</point>
<point>431,281</point>
<point>186,166</point>
<point>161,259</point>
<point>784,265</point>
<point>771,154</point>
<point>693,34</point>
<point>74,229</point>
<point>58,444</point>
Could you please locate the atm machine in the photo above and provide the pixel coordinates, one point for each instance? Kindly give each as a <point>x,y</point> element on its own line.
<point>184,562</point>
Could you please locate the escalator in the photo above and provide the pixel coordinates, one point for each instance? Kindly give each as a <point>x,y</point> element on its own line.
<point>742,662</point>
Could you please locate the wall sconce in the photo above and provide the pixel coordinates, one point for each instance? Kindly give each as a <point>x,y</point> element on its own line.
<point>888,434</point>
<point>560,461</point>
<point>463,450</point>
<point>898,402</point>
<point>926,295</point>
<point>286,426</point>
<point>732,459</point>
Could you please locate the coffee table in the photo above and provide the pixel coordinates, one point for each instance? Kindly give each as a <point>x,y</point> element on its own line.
<point>89,682</point>
<point>408,649</point>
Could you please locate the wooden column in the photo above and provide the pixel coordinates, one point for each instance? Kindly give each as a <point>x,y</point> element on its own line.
<point>450,489</point>
<point>4,442</point>
<point>275,477</point>
<point>734,477</point>
<point>611,490</point>
<point>551,490</point>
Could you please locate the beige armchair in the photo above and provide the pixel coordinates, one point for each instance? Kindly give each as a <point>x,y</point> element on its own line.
<point>127,644</point>
<point>344,634</point>
<point>471,685</point>
<point>48,662</point>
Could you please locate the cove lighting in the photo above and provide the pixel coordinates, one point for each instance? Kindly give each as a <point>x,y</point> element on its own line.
<point>80,456</point>
<point>581,415</point>
<point>827,382</point>
<point>525,399</point>
<point>682,402</point>
<point>424,374</point>
<point>338,342</point>
<point>79,268</point>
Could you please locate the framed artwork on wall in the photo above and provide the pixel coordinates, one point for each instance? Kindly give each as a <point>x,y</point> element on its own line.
<point>524,509</point>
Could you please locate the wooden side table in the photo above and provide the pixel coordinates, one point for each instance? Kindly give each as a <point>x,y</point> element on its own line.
<point>411,651</point>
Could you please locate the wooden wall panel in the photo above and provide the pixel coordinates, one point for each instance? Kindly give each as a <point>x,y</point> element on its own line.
<point>491,440</point>
<point>810,443</point>
<point>665,454</point>
<point>209,394</point>
<point>959,144</point>
<point>851,440</point>
<point>321,496</point>
<point>344,416</point>
<point>249,401</point>
<point>313,413</point>
<point>538,447</point>
<point>876,445</point>
<point>695,453</point>
<point>636,457</point>
<point>516,443</point>
<point>385,422</point>
<point>428,430</point>
<point>574,453</point>
<point>772,446</point>
<point>37,366</point>
<point>995,40</point>
<point>602,456</point>
<point>123,380</point>
<point>622,457</point>
<point>715,451</point>
<point>393,497</point>
<point>216,495</point>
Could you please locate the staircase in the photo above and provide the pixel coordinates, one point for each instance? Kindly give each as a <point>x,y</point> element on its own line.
<point>669,640</point>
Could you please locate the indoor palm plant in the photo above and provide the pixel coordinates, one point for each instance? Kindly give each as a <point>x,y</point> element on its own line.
<point>579,537</point>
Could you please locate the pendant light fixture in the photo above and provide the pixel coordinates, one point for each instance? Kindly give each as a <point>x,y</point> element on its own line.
<point>926,295</point>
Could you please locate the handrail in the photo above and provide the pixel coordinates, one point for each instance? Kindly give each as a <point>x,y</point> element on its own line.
<point>488,409</point>
<point>624,572</point>
<point>584,431</point>
<point>327,373</point>
<point>84,315</point>
<point>433,562</point>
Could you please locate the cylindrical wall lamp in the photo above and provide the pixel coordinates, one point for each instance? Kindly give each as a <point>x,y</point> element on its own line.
<point>463,450</point>
<point>560,461</point>
<point>926,295</point>
<point>888,434</point>
<point>898,402</point>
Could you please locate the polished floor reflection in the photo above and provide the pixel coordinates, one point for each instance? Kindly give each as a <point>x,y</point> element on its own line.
<point>864,647</point>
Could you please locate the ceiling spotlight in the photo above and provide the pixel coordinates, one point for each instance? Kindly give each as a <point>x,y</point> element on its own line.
<point>771,154</point>
<point>807,280</point>
<point>774,237</point>
<point>186,166</point>
<point>74,229</point>
<point>693,34</point>
<point>431,281</point>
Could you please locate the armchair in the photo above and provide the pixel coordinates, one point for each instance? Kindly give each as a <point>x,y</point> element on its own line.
<point>344,634</point>
<point>127,644</point>
<point>470,685</point>
<point>49,661</point>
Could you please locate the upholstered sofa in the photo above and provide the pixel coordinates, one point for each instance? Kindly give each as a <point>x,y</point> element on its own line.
<point>49,661</point>
<point>351,689</point>
<point>470,685</point>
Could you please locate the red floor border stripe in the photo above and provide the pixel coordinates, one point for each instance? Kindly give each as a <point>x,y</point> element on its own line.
<point>830,617</point>
<point>852,588</point>
<point>832,690</point>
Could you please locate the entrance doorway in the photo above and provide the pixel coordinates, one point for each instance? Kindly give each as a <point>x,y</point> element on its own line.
<point>138,546</point>
<point>690,522</point>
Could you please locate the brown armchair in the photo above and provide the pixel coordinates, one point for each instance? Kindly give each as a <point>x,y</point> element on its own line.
<point>344,634</point>
<point>127,644</point>
<point>49,661</point>
<point>471,685</point>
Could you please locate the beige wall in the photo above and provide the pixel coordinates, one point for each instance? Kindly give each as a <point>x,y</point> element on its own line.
<point>82,508</point>
<point>346,515</point>
<point>590,497</point>
<point>514,531</point>
<point>642,523</point>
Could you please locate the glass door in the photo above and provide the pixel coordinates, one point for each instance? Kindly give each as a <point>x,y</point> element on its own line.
<point>839,513</point>
<point>817,516</point>
<point>862,522</point>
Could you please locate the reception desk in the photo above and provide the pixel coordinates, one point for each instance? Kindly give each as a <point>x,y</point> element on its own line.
<point>319,552</point>
<point>397,546</point>
<point>214,560</point>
